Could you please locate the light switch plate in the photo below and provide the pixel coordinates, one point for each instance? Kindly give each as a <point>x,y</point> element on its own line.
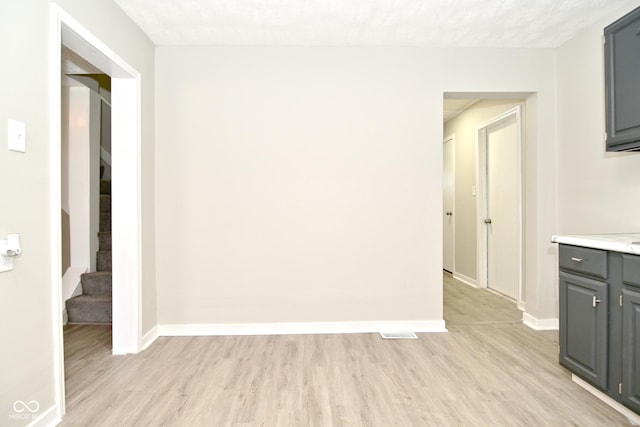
<point>17,136</point>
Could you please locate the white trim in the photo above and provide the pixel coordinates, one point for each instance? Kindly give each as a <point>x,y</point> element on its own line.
<point>522,306</point>
<point>481,183</point>
<point>452,139</point>
<point>631,416</point>
<point>48,418</point>
<point>300,328</point>
<point>150,337</point>
<point>464,279</point>
<point>540,324</point>
<point>126,221</point>
<point>55,205</point>
<point>481,200</point>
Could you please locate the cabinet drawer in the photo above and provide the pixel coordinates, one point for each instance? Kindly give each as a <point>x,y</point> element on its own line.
<point>584,260</point>
<point>631,270</point>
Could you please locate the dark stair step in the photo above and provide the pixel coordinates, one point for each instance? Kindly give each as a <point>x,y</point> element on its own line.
<point>104,239</point>
<point>105,187</point>
<point>105,221</point>
<point>105,203</point>
<point>103,261</point>
<point>89,309</point>
<point>96,284</point>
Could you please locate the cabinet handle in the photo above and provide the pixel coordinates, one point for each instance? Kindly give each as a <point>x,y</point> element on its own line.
<point>595,301</point>
<point>576,259</point>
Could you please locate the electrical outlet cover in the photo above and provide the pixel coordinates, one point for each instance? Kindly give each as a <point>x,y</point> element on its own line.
<point>17,136</point>
<point>6,264</point>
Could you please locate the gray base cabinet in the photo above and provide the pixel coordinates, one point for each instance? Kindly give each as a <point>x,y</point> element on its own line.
<point>631,349</point>
<point>584,329</point>
<point>600,320</point>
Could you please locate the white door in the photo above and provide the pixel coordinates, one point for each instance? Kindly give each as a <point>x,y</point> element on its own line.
<point>503,206</point>
<point>448,189</point>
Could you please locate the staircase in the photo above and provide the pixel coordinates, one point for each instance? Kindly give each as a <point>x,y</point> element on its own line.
<point>94,305</point>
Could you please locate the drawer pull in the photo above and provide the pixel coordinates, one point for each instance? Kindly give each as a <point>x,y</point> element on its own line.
<point>595,301</point>
<point>576,259</point>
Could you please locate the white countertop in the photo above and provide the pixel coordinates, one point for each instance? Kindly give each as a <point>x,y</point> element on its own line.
<point>624,242</point>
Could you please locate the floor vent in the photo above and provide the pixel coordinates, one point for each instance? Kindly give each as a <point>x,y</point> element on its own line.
<point>398,335</point>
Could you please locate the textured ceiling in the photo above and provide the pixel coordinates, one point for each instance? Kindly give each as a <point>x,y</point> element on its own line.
<point>453,107</point>
<point>492,23</point>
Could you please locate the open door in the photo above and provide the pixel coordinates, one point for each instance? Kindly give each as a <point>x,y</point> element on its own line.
<point>448,193</point>
<point>501,221</point>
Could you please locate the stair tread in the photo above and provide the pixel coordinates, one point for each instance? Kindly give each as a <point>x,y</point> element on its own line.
<point>105,203</point>
<point>98,283</point>
<point>104,240</point>
<point>103,261</point>
<point>89,298</point>
<point>105,186</point>
<point>89,309</point>
<point>96,273</point>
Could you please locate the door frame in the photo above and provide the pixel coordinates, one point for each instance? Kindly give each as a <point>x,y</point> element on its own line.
<point>452,139</point>
<point>126,207</point>
<point>482,202</point>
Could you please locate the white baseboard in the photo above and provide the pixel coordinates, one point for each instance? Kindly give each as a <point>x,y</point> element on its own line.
<point>150,337</point>
<point>466,280</point>
<point>301,328</point>
<point>540,324</point>
<point>631,416</point>
<point>48,418</point>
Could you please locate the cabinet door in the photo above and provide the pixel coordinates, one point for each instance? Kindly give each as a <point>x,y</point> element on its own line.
<point>622,78</point>
<point>631,349</point>
<point>583,327</point>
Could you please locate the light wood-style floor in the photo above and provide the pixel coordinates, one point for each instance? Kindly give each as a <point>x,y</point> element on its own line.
<point>488,370</point>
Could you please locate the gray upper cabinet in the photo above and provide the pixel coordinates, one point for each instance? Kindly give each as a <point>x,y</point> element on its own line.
<point>622,83</point>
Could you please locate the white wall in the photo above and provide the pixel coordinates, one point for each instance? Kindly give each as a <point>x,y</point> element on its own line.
<point>27,369</point>
<point>81,126</point>
<point>598,192</point>
<point>465,128</point>
<point>290,186</point>
<point>304,184</point>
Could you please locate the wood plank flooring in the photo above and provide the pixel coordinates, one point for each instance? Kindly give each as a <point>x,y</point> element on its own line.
<point>464,304</point>
<point>493,371</point>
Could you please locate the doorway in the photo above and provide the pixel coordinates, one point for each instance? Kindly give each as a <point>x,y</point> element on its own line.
<point>125,157</point>
<point>464,116</point>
